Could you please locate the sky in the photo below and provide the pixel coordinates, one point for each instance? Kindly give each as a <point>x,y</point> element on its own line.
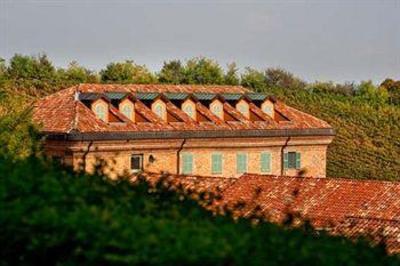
<point>334,40</point>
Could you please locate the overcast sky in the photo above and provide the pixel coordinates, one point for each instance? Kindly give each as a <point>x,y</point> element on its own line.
<point>317,40</point>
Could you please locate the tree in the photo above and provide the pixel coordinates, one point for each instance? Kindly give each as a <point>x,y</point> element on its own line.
<point>203,71</point>
<point>278,77</point>
<point>127,72</point>
<point>30,71</point>
<point>253,79</point>
<point>3,70</point>
<point>172,72</point>
<point>369,92</point>
<point>393,88</point>
<point>76,74</point>
<point>231,76</point>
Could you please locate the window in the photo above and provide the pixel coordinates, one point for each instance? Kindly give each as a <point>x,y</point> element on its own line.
<point>159,110</point>
<point>136,162</point>
<point>187,163</point>
<point>241,163</point>
<point>216,163</point>
<point>292,160</point>
<point>217,109</point>
<point>243,108</point>
<point>189,110</point>
<point>268,108</point>
<point>127,110</point>
<point>100,111</point>
<point>265,162</point>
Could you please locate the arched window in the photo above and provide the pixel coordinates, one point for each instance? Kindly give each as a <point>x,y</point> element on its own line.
<point>101,113</point>
<point>127,110</point>
<point>268,108</point>
<point>159,110</point>
<point>188,109</point>
<point>217,109</point>
<point>243,108</point>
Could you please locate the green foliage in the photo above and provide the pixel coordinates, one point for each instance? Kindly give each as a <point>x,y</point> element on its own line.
<point>32,72</point>
<point>126,72</point>
<point>18,136</point>
<point>370,93</point>
<point>172,72</point>
<point>231,76</point>
<point>278,77</point>
<point>76,74</point>
<point>201,70</point>
<point>393,88</point>
<point>252,78</point>
<point>367,141</point>
<point>50,216</point>
<point>330,87</point>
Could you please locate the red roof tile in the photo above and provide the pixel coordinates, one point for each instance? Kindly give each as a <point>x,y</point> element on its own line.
<point>63,112</point>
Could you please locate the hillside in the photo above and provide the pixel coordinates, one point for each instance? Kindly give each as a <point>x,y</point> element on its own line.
<point>367,144</point>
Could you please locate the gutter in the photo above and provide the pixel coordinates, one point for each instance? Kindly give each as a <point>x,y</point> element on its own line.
<point>178,157</point>
<point>282,156</point>
<point>85,154</point>
<point>124,135</point>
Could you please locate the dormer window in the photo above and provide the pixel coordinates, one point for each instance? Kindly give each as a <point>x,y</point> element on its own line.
<point>268,108</point>
<point>100,108</point>
<point>159,108</point>
<point>243,107</point>
<point>189,108</point>
<point>217,108</point>
<point>126,107</point>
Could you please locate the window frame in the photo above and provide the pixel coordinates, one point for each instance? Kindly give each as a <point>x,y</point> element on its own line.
<point>243,104</point>
<point>267,170</point>
<point>292,160</point>
<point>103,114</point>
<point>131,106</point>
<point>213,170</point>
<point>137,155</point>
<point>183,156</point>
<point>220,106</point>
<point>238,155</point>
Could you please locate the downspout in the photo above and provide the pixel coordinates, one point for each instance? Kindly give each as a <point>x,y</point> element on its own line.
<point>178,157</point>
<point>283,155</point>
<point>85,154</point>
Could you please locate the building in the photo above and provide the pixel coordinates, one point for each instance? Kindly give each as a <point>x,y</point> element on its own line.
<point>349,207</point>
<point>181,129</point>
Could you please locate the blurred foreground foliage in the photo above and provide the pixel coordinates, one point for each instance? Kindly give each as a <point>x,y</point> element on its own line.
<point>51,215</point>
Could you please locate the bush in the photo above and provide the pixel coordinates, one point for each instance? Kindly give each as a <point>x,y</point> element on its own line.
<point>51,216</point>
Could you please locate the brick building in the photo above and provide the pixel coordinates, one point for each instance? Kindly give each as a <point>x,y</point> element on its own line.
<point>181,129</point>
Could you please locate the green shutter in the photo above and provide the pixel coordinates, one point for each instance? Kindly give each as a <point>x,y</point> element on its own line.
<point>241,163</point>
<point>216,163</point>
<point>265,161</point>
<point>298,159</point>
<point>286,160</point>
<point>187,163</point>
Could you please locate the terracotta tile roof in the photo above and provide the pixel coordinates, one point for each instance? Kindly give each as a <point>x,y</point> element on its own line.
<point>348,207</point>
<point>343,206</point>
<point>188,183</point>
<point>65,111</point>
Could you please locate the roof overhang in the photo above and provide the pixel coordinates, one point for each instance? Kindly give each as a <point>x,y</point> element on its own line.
<point>88,136</point>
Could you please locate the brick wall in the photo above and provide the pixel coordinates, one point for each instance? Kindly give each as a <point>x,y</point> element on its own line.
<point>116,154</point>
